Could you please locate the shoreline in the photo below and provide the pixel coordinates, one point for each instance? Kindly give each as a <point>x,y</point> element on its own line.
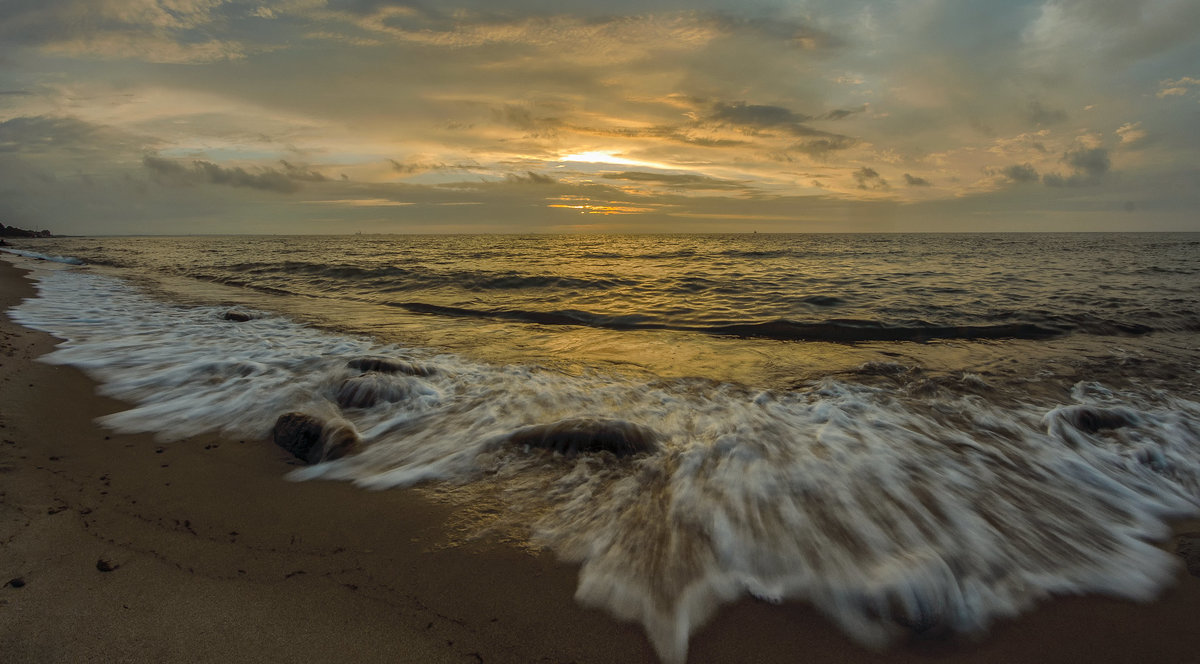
<point>217,557</point>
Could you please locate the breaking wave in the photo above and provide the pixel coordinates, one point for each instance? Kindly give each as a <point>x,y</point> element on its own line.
<point>890,509</point>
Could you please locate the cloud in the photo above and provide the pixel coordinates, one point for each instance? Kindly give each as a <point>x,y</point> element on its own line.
<point>578,38</point>
<point>778,29</point>
<point>1088,166</point>
<point>821,147</point>
<point>755,115</point>
<point>1092,162</point>
<point>46,134</point>
<point>1041,115</point>
<point>529,177</point>
<point>173,172</point>
<point>178,31</point>
<point>523,118</point>
<point>869,178</point>
<point>1131,133</point>
<point>841,113</point>
<point>914,181</point>
<point>1178,87</point>
<point>1020,173</point>
<point>677,180</point>
<point>301,173</point>
<point>756,118</point>
<point>420,166</point>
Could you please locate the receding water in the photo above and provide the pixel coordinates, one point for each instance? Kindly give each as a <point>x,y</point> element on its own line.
<point>912,432</point>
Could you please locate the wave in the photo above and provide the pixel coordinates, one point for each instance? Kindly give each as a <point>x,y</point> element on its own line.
<point>69,260</point>
<point>394,278</point>
<point>835,330</point>
<point>892,510</point>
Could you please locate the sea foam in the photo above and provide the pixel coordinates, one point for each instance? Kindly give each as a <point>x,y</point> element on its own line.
<point>892,510</point>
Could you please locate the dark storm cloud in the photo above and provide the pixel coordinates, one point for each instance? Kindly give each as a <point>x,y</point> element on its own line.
<point>677,180</point>
<point>1020,173</point>
<point>914,181</point>
<point>869,178</point>
<point>286,181</point>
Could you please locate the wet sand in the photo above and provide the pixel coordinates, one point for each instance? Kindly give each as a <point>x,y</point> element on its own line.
<point>200,550</point>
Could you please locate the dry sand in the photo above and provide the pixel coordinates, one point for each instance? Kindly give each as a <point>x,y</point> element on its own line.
<point>214,556</point>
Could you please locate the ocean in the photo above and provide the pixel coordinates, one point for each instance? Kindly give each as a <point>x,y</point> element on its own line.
<point>913,433</point>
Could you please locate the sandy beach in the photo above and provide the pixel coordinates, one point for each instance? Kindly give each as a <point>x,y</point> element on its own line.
<point>119,548</point>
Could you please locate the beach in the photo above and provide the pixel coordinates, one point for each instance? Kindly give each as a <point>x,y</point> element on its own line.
<point>128,549</point>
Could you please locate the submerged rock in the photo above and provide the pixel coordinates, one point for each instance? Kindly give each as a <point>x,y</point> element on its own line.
<point>388,366</point>
<point>313,440</point>
<point>1092,418</point>
<point>369,389</point>
<point>237,316</point>
<point>577,435</point>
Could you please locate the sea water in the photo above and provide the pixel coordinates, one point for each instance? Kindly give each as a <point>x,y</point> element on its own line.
<point>911,432</point>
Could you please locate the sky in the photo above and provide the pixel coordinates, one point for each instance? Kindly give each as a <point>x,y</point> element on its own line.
<point>382,116</point>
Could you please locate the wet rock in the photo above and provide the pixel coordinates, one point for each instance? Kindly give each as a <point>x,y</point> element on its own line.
<point>369,389</point>
<point>313,440</point>
<point>105,566</point>
<point>1093,418</point>
<point>237,316</point>
<point>574,436</point>
<point>389,366</point>
<point>1187,545</point>
<point>16,583</point>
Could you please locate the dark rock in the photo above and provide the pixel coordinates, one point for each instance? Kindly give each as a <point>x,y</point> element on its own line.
<point>369,389</point>
<point>578,435</point>
<point>389,366</point>
<point>1092,419</point>
<point>105,566</point>
<point>16,583</point>
<point>237,316</point>
<point>311,439</point>
<point>1187,545</point>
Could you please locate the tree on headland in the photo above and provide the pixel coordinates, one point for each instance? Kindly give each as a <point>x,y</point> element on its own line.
<point>13,231</point>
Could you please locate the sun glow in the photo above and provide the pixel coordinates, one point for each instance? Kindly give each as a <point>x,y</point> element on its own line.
<point>602,157</point>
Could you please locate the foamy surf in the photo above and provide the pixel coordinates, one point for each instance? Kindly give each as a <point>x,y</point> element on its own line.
<point>891,509</point>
